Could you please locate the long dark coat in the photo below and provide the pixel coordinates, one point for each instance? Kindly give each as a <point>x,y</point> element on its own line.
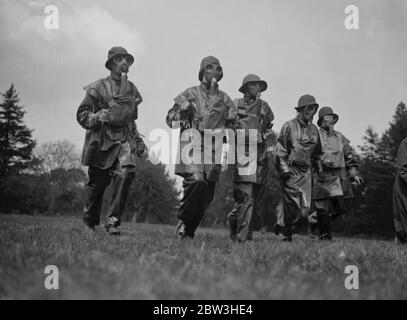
<point>298,145</point>
<point>258,116</point>
<point>208,115</point>
<point>337,159</point>
<point>400,192</point>
<point>103,141</point>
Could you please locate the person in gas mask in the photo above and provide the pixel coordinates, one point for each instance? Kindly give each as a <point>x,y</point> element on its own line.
<point>200,108</point>
<point>112,143</point>
<point>336,170</point>
<point>255,114</point>
<point>298,148</point>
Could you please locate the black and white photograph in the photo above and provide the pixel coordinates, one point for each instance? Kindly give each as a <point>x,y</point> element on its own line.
<point>203,156</point>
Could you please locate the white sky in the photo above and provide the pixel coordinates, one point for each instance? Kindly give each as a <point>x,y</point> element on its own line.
<point>297,46</point>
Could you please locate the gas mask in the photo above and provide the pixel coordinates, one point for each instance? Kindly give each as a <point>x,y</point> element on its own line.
<point>328,122</point>
<point>308,112</point>
<point>121,64</point>
<point>213,73</point>
<point>254,90</point>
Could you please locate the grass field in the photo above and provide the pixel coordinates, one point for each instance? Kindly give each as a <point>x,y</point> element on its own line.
<point>148,262</point>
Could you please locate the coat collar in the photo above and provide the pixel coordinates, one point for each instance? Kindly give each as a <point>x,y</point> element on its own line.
<point>330,132</point>
<point>205,87</point>
<point>302,122</point>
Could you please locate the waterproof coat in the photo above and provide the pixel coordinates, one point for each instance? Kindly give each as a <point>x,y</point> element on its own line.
<point>255,115</point>
<point>400,193</point>
<point>210,112</point>
<point>332,179</point>
<point>105,142</point>
<point>298,145</point>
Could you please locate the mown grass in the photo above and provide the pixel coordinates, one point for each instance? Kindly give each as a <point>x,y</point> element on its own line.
<point>148,262</point>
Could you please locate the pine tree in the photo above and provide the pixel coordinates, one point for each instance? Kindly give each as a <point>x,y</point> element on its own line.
<point>395,134</point>
<point>371,141</point>
<point>378,167</point>
<point>16,143</point>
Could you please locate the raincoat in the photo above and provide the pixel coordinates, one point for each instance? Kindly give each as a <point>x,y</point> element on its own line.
<point>110,148</point>
<point>211,111</point>
<point>104,143</point>
<point>298,145</point>
<point>333,178</point>
<point>248,188</point>
<point>258,116</point>
<point>331,184</point>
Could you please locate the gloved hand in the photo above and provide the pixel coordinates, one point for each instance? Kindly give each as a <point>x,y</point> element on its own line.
<point>102,116</point>
<point>187,111</point>
<point>354,175</point>
<point>358,180</point>
<point>284,170</point>
<point>186,105</point>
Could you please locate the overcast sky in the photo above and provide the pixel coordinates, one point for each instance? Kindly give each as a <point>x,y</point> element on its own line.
<point>297,46</point>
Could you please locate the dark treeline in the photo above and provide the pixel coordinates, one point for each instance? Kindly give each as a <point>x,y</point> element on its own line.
<point>48,179</point>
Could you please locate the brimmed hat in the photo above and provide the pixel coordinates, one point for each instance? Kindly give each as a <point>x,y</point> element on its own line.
<point>306,100</point>
<point>325,111</point>
<point>117,51</point>
<point>206,62</point>
<point>252,78</point>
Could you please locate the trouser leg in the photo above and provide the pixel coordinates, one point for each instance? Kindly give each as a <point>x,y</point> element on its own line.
<point>292,204</point>
<point>198,194</point>
<point>122,179</point>
<point>279,227</point>
<point>280,214</point>
<point>232,219</point>
<point>313,229</point>
<point>313,221</point>
<point>99,179</point>
<point>241,216</point>
<point>324,208</point>
<point>338,206</point>
<point>296,200</point>
<point>263,208</point>
<point>207,198</point>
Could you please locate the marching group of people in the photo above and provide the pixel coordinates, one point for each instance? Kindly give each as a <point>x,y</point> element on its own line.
<point>315,163</point>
